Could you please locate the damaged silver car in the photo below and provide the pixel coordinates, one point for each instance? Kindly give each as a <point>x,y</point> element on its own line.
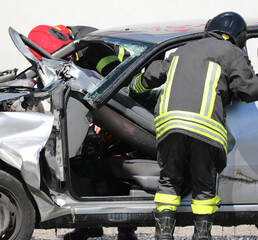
<point>56,172</point>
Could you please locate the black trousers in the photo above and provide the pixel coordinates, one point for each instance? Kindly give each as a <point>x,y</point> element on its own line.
<point>179,155</point>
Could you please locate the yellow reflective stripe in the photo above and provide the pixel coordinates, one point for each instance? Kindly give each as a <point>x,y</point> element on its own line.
<point>105,61</point>
<point>190,116</point>
<point>206,88</point>
<point>204,209</point>
<point>209,94</point>
<point>225,36</point>
<point>171,77</point>
<point>161,208</point>
<point>137,84</point>
<point>212,201</point>
<point>77,56</point>
<point>205,206</point>
<point>214,94</point>
<point>192,127</point>
<point>121,53</point>
<point>167,87</point>
<point>167,199</point>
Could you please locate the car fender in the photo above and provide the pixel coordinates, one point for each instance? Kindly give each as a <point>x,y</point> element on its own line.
<point>19,147</point>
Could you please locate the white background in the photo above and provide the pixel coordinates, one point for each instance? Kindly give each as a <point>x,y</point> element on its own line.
<point>23,15</point>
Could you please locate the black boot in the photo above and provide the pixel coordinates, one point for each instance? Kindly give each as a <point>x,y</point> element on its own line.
<point>202,226</point>
<point>84,233</point>
<point>126,233</point>
<point>165,224</point>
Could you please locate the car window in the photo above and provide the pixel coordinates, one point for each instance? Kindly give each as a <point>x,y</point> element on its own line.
<point>111,82</point>
<point>252,47</point>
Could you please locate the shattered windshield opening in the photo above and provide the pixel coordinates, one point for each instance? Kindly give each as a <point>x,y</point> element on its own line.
<point>112,80</point>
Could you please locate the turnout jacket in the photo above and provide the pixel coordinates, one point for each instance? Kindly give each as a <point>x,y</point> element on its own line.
<point>200,78</point>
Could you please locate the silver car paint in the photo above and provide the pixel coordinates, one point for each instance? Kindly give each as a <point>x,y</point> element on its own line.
<point>239,181</point>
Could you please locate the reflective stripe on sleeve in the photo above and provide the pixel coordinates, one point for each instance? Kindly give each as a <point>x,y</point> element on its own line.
<point>137,84</point>
<point>121,53</point>
<point>105,61</point>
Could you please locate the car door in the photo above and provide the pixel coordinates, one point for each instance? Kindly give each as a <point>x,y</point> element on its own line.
<point>238,183</point>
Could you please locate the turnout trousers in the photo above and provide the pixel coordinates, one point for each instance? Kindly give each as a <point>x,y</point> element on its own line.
<point>178,155</point>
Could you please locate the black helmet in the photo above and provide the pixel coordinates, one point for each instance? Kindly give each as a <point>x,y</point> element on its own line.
<point>230,23</point>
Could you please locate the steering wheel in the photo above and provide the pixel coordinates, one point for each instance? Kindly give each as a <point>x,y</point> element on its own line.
<point>23,44</point>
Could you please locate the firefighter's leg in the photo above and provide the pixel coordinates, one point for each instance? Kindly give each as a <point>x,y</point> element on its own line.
<point>171,156</point>
<point>205,201</point>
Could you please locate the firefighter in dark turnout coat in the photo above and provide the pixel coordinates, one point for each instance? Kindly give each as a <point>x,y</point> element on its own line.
<point>200,78</point>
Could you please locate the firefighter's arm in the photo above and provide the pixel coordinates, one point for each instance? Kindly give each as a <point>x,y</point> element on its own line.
<point>154,76</point>
<point>243,80</point>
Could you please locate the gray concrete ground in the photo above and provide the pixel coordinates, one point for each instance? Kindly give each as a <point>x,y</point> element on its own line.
<point>244,232</point>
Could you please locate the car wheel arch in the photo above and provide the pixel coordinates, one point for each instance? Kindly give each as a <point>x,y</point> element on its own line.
<point>17,174</point>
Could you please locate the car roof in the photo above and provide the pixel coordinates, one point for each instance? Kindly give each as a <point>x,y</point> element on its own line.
<point>154,33</point>
<point>158,32</point>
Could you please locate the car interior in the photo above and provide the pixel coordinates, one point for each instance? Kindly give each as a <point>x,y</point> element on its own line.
<point>121,160</point>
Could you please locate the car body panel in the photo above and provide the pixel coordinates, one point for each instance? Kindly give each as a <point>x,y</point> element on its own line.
<point>239,180</point>
<point>22,137</point>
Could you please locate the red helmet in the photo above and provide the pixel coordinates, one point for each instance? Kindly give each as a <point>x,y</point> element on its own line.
<point>50,38</point>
